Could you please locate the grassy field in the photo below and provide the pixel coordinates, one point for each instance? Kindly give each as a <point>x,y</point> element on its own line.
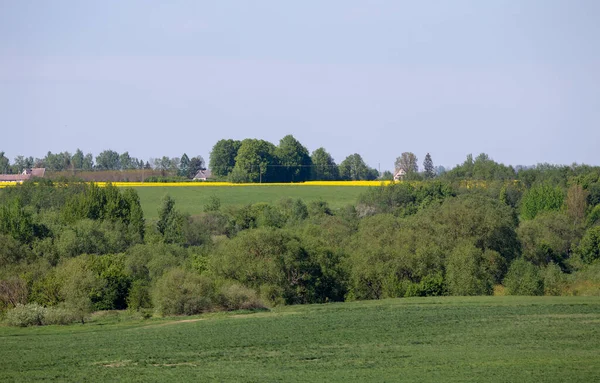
<point>479,339</point>
<point>192,199</point>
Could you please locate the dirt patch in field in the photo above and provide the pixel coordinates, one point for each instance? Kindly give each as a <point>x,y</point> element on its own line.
<point>173,322</point>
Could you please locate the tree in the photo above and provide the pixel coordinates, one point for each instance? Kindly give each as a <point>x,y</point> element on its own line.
<point>21,163</point>
<point>429,170</point>
<point>196,164</point>
<point>541,198</point>
<point>293,159</point>
<point>253,161</point>
<point>324,167</point>
<point>77,160</point>
<point>4,163</point>
<point>184,166</point>
<point>222,157</point>
<point>127,162</point>
<point>108,160</point>
<point>88,162</point>
<point>408,162</point>
<point>354,168</point>
<point>576,203</point>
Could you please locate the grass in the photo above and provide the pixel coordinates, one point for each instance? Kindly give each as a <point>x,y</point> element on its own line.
<point>192,199</point>
<point>501,339</point>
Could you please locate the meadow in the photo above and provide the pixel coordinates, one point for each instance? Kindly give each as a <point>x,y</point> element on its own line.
<point>497,339</point>
<point>191,199</point>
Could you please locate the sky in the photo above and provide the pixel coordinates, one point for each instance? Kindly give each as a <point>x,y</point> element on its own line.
<point>518,80</point>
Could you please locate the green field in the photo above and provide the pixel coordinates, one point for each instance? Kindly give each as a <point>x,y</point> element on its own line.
<point>479,339</point>
<point>192,199</point>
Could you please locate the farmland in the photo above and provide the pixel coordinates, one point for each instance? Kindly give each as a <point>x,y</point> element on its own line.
<point>415,339</point>
<point>191,199</point>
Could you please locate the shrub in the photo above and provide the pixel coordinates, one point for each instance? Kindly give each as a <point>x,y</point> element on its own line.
<point>139,296</point>
<point>237,297</point>
<point>60,316</point>
<point>554,279</point>
<point>31,314</point>
<point>180,292</point>
<point>523,278</point>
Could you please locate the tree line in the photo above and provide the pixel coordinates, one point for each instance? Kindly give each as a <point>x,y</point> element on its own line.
<point>70,248</point>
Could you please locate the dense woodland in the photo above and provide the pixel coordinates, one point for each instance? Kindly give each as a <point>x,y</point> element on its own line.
<point>69,248</point>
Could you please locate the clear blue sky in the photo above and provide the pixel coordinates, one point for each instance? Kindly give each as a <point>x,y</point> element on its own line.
<point>519,80</point>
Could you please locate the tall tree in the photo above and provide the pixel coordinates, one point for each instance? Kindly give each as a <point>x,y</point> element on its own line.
<point>88,162</point>
<point>354,168</point>
<point>108,160</point>
<point>184,165</point>
<point>254,162</point>
<point>428,168</point>
<point>222,157</point>
<point>21,163</point>
<point>408,162</point>
<point>77,160</point>
<point>196,164</point>
<point>4,163</point>
<point>324,167</point>
<point>293,159</point>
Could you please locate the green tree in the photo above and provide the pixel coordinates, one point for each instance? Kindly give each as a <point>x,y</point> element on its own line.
<point>184,166</point>
<point>254,162</point>
<point>408,162</point>
<point>170,221</point>
<point>354,168</point>
<point>196,164</point>
<point>4,164</point>
<point>294,161</point>
<point>108,160</point>
<point>222,157</point>
<point>589,247</point>
<point>324,167</point>
<point>541,198</point>
<point>428,169</point>
<point>523,278</point>
<point>77,159</point>
<point>465,272</point>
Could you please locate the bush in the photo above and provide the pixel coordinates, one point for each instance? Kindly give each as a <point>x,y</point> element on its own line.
<point>30,314</point>
<point>60,316</point>
<point>237,297</point>
<point>139,296</point>
<point>180,292</point>
<point>523,278</point>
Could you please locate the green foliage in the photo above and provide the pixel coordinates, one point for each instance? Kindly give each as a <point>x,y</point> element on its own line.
<point>589,247</point>
<point>523,278</point>
<point>324,167</point>
<point>465,272</point>
<point>180,292</point>
<point>293,159</point>
<point>214,204</point>
<point>353,168</point>
<point>223,157</point>
<point>30,314</point>
<point>254,162</point>
<point>275,258</point>
<point>170,222</point>
<point>428,169</point>
<point>554,280</point>
<point>139,296</point>
<point>548,237</point>
<point>539,199</point>
<point>233,296</point>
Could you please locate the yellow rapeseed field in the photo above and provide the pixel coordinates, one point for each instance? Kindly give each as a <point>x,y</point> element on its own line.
<point>200,184</point>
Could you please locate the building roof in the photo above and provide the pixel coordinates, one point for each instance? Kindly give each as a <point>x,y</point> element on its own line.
<point>203,174</point>
<point>27,174</point>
